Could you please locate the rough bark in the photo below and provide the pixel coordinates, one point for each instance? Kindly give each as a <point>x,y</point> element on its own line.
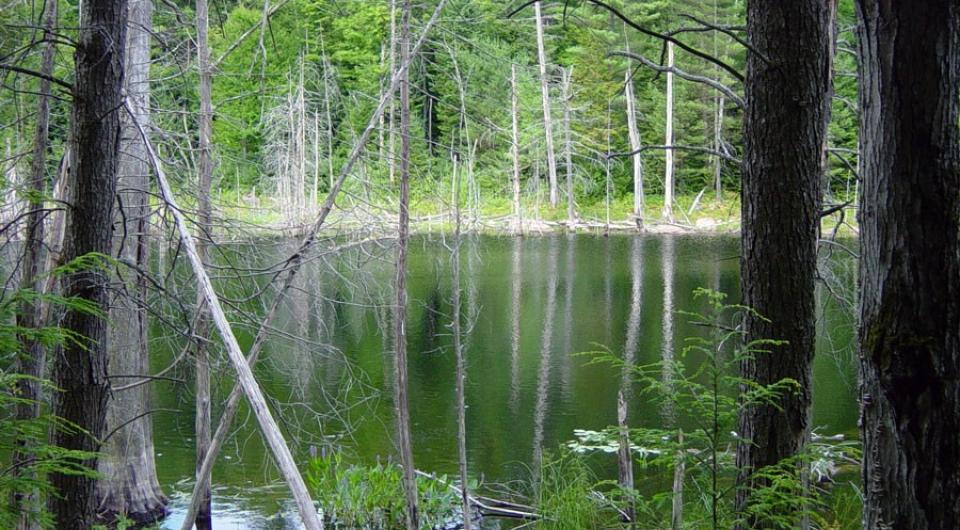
<point>547,119</point>
<point>80,368</point>
<point>33,355</point>
<point>788,96</point>
<point>401,403</point>
<point>130,486</point>
<point>910,263</point>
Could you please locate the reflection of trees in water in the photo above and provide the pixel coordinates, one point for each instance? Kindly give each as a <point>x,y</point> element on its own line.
<point>634,319</point>
<point>667,264</point>
<point>567,350</point>
<point>516,285</point>
<point>543,373</point>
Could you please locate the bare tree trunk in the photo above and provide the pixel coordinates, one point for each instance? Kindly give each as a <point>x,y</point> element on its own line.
<point>130,487</point>
<point>33,354</point>
<point>624,457</point>
<point>634,134</point>
<point>246,381</point>
<point>80,368</point>
<point>292,266</point>
<point>547,120</point>
<point>461,363</point>
<point>910,263</point>
<point>568,141</point>
<point>202,420</point>
<point>679,472</point>
<point>400,318</point>
<point>392,109</point>
<point>784,127</point>
<point>515,150</point>
<point>668,153</point>
<point>718,147</point>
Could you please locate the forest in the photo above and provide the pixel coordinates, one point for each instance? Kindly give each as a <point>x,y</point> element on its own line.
<point>479,264</point>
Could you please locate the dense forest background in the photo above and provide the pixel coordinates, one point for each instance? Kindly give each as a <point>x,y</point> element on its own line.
<point>291,97</point>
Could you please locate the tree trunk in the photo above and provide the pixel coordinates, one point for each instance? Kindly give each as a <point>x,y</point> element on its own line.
<point>568,142</point>
<point>461,362</point>
<point>515,150</point>
<point>547,120</point>
<point>80,369</point>
<point>130,486</point>
<point>784,127</point>
<point>33,354</point>
<point>400,319</point>
<point>910,263</point>
<point>292,266</point>
<point>718,147</point>
<point>668,141</point>
<point>634,134</point>
<point>201,356</point>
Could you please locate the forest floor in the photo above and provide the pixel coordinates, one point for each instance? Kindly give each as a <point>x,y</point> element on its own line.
<point>691,215</point>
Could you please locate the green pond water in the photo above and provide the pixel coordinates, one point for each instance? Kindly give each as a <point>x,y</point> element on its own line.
<point>528,304</point>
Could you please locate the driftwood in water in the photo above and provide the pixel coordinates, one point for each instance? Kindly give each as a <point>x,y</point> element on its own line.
<point>489,507</point>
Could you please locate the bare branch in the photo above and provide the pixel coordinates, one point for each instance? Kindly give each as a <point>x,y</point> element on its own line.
<point>684,75</point>
<point>38,75</point>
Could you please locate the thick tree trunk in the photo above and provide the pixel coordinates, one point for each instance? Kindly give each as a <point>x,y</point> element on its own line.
<point>33,355</point>
<point>400,318</point>
<point>788,104</point>
<point>80,369</point>
<point>201,354</point>
<point>547,119</point>
<point>910,263</point>
<point>130,487</point>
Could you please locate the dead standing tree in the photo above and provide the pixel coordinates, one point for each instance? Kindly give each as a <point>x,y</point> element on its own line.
<point>288,273</point>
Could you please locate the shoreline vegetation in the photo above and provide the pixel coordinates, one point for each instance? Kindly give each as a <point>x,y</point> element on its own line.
<point>261,217</point>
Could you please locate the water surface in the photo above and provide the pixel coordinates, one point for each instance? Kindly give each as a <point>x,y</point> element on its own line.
<point>529,305</point>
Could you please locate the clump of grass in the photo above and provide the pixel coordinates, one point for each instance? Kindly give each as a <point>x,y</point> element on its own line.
<point>371,497</point>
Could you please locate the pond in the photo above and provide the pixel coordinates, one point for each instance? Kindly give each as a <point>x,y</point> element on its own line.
<point>529,304</point>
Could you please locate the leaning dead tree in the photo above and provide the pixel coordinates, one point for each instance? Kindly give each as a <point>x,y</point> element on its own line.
<point>288,273</point>
<point>268,426</point>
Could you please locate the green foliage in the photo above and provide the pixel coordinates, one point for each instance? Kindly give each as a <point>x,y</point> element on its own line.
<point>28,437</point>
<point>565,493</point>
<point>701,390</point>
<point>372,497</point>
